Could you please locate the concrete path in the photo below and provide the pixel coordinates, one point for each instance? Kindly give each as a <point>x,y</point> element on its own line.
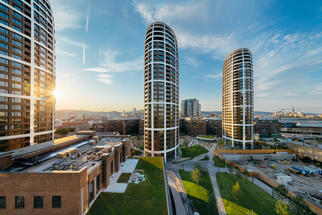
<point>212,173</point>
<point>177,191</point>
<point>127,167</point>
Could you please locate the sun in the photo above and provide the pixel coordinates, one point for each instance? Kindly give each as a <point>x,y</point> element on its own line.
<point>58,93</point>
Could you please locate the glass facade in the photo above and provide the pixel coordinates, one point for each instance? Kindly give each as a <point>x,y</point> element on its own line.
<point>27,73</point>
<point>161,91</point>
<point>238,99</point>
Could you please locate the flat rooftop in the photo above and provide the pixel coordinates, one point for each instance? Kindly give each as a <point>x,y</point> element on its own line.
<point>70,158</point>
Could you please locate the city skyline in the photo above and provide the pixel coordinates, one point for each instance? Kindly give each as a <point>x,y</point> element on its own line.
<point>99,51</point>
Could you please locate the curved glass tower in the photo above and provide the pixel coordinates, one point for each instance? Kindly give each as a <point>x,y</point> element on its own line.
<point>27,73</point>
<point>161,92</point>
<point>238,99</point>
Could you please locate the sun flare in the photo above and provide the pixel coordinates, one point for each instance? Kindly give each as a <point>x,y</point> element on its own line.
<point>58,93</point>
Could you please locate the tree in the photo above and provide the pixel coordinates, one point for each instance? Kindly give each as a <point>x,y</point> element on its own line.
<point>299,206</point>
<point>236,191</point>
<point>281,208</point>
<point>280,192</point>
<point>195,175</point>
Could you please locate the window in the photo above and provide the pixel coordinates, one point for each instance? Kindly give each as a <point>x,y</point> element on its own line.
<point>18,2</point>
<point>15,78</point>
<point>56,201</point>
<point>4,107</point>
<point>38,202</point>
<point>4,15</point>
<point>17,64</point>
<point>98,183</point>
<point>3,30</point>
<point>17,28</point>
<point>3,68</point>
<point>3,84</point>
<point>2,202</point>
<point>4,61</point>
<point>17,15</point>
<point>16,36</point>
<point>3,76</point>
<point>16,71</point>
<point>4,38</point>
<point>3,99</point>
<point>4,46</point>
<point>91,191</point>
<point>4,22</point>
<point>16,43</point>
<point>17,22</point>
<point>20,202</point>
<point>4,7</point>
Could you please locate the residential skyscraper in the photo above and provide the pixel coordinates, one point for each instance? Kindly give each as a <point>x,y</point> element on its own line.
<point>161,92</point>
<point>27,73</point>
<point>238,99</point>
<point>190,108</point>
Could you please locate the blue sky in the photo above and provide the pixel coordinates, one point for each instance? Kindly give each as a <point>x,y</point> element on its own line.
<point>100,45</point>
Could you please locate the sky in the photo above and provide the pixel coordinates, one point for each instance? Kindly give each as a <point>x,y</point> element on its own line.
<point>100,47</point>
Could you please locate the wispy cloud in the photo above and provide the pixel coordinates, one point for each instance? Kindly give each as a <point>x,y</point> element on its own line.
<point>66,16</point>
<point>111,64</point>
<point>64,53</point>
<point>104,78</point>
<point>216,76</point>
<point>87,17</point>
<point>193,61</point>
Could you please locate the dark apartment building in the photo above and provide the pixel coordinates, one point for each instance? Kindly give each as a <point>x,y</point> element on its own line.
<point>27,73</point>
<point>161,92</point>
<point>267,128</point>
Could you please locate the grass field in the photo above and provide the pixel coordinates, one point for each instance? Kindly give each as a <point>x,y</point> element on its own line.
<point>193,151</point>
<point>252,197</point>
<point>218,162</point>
<point>124,178</point>
<point>207,137</point>
<point>147,197</point>
<point>201,194</point>
<point>220,142</point>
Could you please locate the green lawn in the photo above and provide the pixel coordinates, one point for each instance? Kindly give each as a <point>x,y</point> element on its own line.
<point>252,197</point>
<point>220,142</point>
<point>218,162</point>
<point>201,194</point>
<point>148,197</point>
<point>207,137</point>
<point>193,151</point>
<point>124,178</point>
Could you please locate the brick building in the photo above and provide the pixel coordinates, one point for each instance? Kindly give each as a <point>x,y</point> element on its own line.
<point>66,184</point>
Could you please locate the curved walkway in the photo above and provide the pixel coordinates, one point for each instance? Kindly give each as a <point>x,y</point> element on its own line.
<point>212,173</point>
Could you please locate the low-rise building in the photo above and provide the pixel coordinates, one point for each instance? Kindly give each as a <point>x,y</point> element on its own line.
<point>45,180</point>
<point>267,128</point>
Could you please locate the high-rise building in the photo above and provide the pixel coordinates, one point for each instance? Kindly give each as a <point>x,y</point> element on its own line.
<point>161,92</point>
<point>238,99</point>
<point>27,73</point>
<point>190,108</point>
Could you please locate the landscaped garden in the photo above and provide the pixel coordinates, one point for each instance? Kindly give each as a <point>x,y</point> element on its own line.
<point>193,151</point>
<point>147,197</point>
<point>244,198</point>
<point>219,162</point>
<point>124,177</point>
<point>201,193</point>
<point>207,137</point>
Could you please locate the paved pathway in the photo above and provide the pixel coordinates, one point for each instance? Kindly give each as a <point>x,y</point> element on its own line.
<point>178,192</point>
<point>212,173</point>
<point>127,167</point>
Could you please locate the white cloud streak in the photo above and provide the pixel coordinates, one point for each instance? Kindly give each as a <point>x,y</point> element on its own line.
<point>112,65</point>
